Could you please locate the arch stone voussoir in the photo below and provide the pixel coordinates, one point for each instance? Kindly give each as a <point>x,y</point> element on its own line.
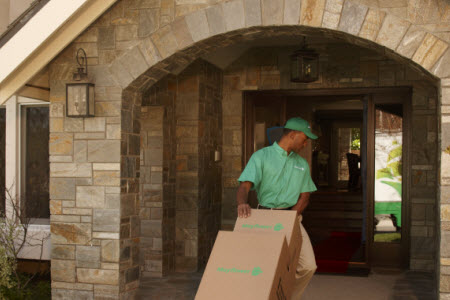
<point>226,23</point>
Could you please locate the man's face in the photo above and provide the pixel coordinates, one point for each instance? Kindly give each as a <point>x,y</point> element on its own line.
<point>299,141</point>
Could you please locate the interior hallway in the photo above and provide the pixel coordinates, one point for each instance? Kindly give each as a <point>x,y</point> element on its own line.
<point>379,285</point>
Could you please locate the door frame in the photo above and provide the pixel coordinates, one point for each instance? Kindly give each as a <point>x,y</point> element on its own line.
<point>370,97</point>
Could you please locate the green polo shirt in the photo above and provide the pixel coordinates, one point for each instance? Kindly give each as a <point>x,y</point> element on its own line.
<point>277,177</point>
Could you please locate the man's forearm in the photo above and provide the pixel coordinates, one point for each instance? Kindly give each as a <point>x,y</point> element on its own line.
<point>242,195</point>
<point>302,203</point>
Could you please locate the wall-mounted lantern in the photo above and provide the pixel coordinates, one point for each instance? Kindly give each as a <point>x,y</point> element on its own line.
<point>80,95</point>
<point>304,65</point>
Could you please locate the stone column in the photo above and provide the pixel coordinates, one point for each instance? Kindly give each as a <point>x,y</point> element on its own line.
<point>84,188</point>
<point>444,263</point>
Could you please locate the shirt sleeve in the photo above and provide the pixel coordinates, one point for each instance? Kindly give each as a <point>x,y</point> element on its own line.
<point>252,171</point>
<point>308,185</point>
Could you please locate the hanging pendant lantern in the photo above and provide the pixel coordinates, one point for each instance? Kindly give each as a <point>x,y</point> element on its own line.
<point>304,65</point>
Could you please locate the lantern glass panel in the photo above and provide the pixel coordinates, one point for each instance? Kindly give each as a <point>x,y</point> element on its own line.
<point>310,68</point>
<point>76,100</point>
<point>91,101</point>
<point>295,68</point>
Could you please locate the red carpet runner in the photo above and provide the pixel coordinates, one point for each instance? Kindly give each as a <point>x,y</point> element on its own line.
<point>334,254</point>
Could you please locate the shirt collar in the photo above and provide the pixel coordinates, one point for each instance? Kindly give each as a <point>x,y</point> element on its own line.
<point>280,150</point>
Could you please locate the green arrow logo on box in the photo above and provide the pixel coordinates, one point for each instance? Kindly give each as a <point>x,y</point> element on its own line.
<point>278,227</point>
<point>256,271</point>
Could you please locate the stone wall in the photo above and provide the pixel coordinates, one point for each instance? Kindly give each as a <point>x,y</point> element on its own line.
<point>157,173</point>
<point>343,66</point>
<point>180,182</point>
<point>198,113</point>
<point>136,43</point>
<point>85,190</point>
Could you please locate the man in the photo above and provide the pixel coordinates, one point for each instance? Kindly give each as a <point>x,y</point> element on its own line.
<point>282,180</point>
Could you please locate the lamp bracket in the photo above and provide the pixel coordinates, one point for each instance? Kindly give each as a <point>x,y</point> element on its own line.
<point>81,73</point>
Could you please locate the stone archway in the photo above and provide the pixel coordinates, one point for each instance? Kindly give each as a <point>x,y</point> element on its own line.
<point>146,56</point>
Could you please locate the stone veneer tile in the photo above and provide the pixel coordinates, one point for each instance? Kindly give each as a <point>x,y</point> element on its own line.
<point>110,251</point>
<point>73,286</point>
<point>441,68</point>
<point>291,12</point>
<point>106,235</point>
<point>445,212</point>
<point>55,207</point>
<point>134,62</point>
<point>107,178</point>
<point>77,211</point>
<point>181,32</point>
<point>372,24</point>
<point>392,31</point>
<point>63,252</point>
<point>104,151</point>
<point>411,41</point>
<point>62,188</point>
<point>90,196</point>
<point>106,220</point>
<point>330,20</point>
<point>252,13</point>
<point>56,125</point>
<point>70,233</point>
<point>113,131</point>
<point>61,158</point>
<point>216,20</point>
<point>165,41</point>
<point>63,270</point>
<point>198,25</point>
<point>88,257</point>
<point>120,75</point>
<point>106,37</point>
<point>445,161</point>
<point>70,170</point>
<point>80,151</point>
<point>73,124</point>
<point>106,291</point>
<point>272,12</point>
<point>106,166</point>
<point>352,18</point>
<point>65,218</point>
<point>334,6</point>
<point>429,51</point>
<point>445,97</point>
<point>61,144</point>
<point>98,276</point>
<point>107,109</point>
<point>56,110</point>
<point>94,124</point>
<point>312,12</point>
<point>149,20</point>
<point>233,15</point>
<point>445,240</point>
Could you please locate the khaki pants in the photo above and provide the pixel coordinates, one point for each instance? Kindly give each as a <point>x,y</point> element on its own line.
<point>306,265</point>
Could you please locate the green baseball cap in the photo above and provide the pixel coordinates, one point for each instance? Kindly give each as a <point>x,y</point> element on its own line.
<point>302,125</point>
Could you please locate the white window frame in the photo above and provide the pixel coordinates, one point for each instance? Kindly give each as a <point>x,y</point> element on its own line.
<point>14,170</point>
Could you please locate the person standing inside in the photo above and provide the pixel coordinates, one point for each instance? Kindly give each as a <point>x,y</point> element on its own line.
<point>282,180</point>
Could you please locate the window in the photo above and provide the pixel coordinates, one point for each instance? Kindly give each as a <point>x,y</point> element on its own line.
<point>2,158</point>
<point>35,161</point>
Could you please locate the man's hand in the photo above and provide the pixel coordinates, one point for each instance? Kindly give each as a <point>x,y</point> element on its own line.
<point>244,210</point>
<point>241,198</point>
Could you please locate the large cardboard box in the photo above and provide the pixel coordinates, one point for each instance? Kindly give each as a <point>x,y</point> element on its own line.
<point>247,266</point>
<point>281,221</point>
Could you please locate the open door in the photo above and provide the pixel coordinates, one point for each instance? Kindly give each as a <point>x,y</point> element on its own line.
<point>388,178</point>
